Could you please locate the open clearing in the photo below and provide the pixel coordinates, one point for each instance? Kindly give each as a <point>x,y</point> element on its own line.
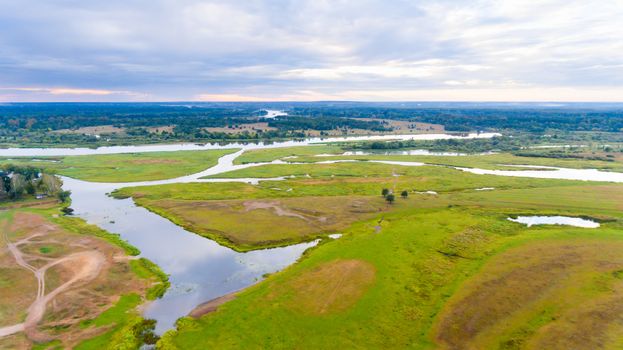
<point>256,223</point>
<point>528,296</point>
<point>93,130</point>
<point>54,280</point>
<point>329,288</point>
<point>242,128</point>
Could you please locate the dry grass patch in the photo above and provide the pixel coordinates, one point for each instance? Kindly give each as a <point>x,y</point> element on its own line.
<point>407,127</point>
<point>240,128</point>
<point>331,287</point>
<point>81,275</point>
<point>534,289</point>
<point>251,224</point>
<point>93,130</point>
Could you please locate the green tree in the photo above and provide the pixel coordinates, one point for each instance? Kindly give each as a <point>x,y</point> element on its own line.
<point>63,196</point>
<point>385,192</point>
<point>18,185</point>
<point>404,194</point>
<point>390,198</point>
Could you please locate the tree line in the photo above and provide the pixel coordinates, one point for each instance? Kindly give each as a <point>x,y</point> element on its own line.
<point>18,181</point>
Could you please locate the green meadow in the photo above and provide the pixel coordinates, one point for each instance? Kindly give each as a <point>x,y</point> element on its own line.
<point>276,213</point>
<point>126,167</point>
<point>430,275</point>
<point>439,268</point>
<point>430,271</point>
<point>484,161</point>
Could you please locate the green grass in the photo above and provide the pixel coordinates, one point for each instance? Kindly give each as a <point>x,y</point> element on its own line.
<point>120,318</point>
<point>198,207</point>
<point>492,161</point>
<point>422,257</point>
<point>270,154</point>
<point>335,180</point>
<point>81,227</point>
<point>128,167</point>
<point>144,268</point>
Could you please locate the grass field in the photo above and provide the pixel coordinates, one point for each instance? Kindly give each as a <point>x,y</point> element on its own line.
<point>437,270</point>
<point>491,161</point>
<point>326,199</point>
<point>431,271</point>
<point>270,154</point>
<point>126,167</point>
<point>432,276</point>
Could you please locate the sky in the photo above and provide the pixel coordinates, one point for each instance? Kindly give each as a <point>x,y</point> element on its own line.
<point>311,50</point>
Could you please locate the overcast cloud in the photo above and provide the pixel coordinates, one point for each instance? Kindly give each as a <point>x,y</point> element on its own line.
<point>157,50</point>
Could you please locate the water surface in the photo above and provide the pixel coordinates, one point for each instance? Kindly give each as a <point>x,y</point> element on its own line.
<point>29,152</point>
<point>547,172</point>
<point>555,220</point>
<point>199,268</point>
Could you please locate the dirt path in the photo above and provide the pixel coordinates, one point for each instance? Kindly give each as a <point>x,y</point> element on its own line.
<point>4,331</point>
<point>85,266</point>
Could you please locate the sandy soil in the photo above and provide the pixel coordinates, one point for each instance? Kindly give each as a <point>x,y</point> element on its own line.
<point>85,266</point>
<point>75,278</point>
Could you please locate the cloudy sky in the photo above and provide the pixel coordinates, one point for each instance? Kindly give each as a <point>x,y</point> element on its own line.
<point>386,50</point>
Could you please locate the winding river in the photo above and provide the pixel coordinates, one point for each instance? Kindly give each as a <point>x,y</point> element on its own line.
<point>199,268</point>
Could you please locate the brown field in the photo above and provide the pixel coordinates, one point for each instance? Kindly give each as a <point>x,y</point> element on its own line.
<point>266,222</point>
<point>240,128</point>
<point>80,276</point>
<point>160,129</point>
<point>407,127</point>
<point>528,297</point>
<point>93,130</point>
<point>398,126</point>
<point>329,288</point>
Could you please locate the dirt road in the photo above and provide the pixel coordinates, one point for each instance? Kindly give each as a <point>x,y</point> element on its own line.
<point>85,266</point>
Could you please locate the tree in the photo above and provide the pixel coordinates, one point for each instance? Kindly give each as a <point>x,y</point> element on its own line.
<point>3,192</point>
<point>49,184</point>
<point>30,188</point>
<point>404,194</point>
<point>385,192</point>
<point>18,185</point>
<point>390,198</point>
<point>63,196</point>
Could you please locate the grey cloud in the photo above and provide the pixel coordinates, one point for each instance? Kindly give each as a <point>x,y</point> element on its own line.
<point>166,49</point>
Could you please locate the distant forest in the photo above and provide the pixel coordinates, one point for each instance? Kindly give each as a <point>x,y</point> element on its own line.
<point>33,122</point>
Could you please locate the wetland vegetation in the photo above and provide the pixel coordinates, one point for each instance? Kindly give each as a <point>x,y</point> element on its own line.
<point>404,249</point>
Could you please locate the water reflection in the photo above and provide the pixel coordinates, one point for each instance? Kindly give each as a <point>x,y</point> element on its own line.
<point>199,268</point>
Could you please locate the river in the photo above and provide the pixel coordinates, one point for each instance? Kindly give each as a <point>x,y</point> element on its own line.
<point>199,268</point>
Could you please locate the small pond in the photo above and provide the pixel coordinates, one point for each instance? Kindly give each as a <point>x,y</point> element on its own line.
<point>555,220</point>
